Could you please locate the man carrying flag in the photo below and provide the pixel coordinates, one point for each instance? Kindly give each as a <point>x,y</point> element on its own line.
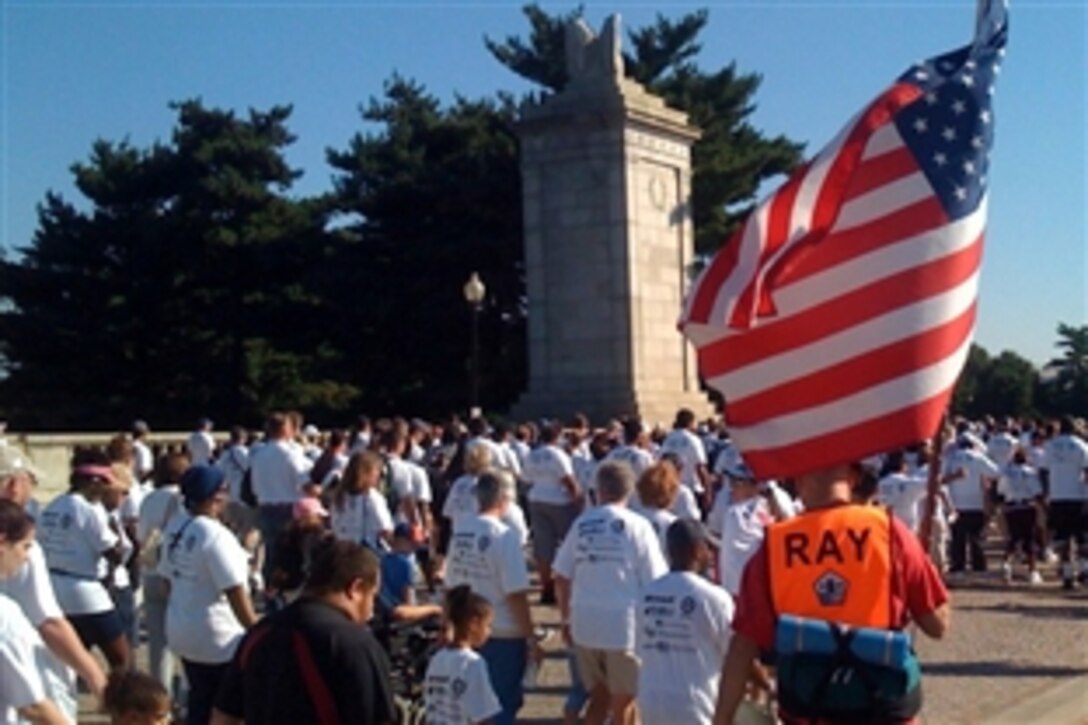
<point>835,323</point>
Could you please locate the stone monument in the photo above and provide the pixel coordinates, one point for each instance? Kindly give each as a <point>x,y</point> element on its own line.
<point>606,174</point>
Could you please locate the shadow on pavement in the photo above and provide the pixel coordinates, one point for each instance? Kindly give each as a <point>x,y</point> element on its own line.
<point>1000,669</point>
<point>1055,612</point>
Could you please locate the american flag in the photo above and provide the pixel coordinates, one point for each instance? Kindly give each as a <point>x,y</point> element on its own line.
<point>837,319</point>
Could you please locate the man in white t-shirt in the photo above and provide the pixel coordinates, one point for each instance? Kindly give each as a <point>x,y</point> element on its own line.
<point>485,554</point>
<point>900,491</point>
<point>278,470</point>
<point>554,501</point>
<point>739,519</point>
<point>31,588</point>
<point>689,448</point>
<point>610,554</point>
<point>970,477</point>
<point>201,445</point>
<point>1001,445</point>
<point>633,452</point>
<point>1065,478</point>
<point>683,634</point>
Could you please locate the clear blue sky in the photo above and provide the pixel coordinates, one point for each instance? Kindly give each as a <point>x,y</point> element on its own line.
<point>76,71</point>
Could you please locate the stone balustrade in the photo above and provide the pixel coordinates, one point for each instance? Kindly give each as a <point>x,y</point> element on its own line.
<point>51,453</point>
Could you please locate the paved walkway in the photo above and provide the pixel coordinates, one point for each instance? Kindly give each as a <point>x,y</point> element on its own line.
<point>1015,655</point>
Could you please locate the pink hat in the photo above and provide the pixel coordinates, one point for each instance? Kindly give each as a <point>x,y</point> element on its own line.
<point>308,506</point>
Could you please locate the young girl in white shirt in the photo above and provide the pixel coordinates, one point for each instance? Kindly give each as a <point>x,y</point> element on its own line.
<point>457,688</point>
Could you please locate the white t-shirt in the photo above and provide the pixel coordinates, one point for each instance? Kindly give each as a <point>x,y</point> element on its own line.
<point>545,469</point>
<point>202,559</point>
<point>639,459</point>
<point>31,589</point>
<point>684,628</point>
<point>121,578</point>
<point>521,450</point>
<point>966,493</point>
<point>902,493</point>
<point>461,500</point>
<point>20,683</point>
<point>201,445</point>
<point>457,689</point>
<point>485,554</point>
<point>514,517</point>
<point>498,457</point>
<point>1000,448</point>
<point>684,505</point>
<point>1019,484</point>
<point>410,482</point>
<point>728,458</point>
<point>234,462</point>
<point>689,448</point>
<point>157,509</point>
<point>507,458</point>
<point>1066,458</point>
<point>74,533</point>
<point>660,520</point>
<point>279,470</point>
<point>609,554</point>
<point>143,462</point>
<point>362,519</point>
<point>741,527</point>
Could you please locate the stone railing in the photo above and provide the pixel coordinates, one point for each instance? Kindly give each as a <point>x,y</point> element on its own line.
<point>51,453</point>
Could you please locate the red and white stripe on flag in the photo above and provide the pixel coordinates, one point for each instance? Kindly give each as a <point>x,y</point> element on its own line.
<point>836,321</point>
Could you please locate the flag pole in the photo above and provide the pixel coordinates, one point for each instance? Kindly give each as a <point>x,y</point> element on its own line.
<point>925,530</point>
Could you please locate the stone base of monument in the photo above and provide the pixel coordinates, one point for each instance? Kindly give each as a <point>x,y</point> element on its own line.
<point>603,404</point>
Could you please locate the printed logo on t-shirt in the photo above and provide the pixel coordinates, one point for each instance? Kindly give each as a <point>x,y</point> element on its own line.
<point>687,606</point>
<point>458,688</point>
<point>66,521</point>
<point>617,526</point>
<point>483,543</point>
<point>190,543</point>
<point>831,589</point>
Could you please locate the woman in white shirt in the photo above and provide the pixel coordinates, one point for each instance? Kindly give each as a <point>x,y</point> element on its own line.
<point>657,487</point>
<point>358,511</point>
<point>461,502</point>
<point>22,689</point>
<point>209,608</point>
<point>81,547</point>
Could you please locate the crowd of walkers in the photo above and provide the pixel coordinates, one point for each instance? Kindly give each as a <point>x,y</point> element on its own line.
<point>277,568</point>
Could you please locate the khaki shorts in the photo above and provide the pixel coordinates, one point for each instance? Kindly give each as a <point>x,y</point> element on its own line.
<point>615,669</point>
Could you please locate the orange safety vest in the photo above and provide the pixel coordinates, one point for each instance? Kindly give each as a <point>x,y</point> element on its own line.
<point>833,564</point>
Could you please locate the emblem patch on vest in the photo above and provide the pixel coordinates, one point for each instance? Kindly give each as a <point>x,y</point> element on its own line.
<point>831,589</point>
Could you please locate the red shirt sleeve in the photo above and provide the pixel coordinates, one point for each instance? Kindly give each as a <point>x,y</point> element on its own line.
<point>917,588</point>
<point>755,616</point>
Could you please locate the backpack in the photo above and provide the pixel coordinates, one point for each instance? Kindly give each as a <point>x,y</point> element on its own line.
<point>846,674</point>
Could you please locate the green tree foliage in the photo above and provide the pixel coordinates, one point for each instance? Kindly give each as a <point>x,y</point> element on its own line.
<point>184,289</point>
<point>995,385</point>
<point>1068,388</point>
<point>731,159</point>
<point>437,192</point>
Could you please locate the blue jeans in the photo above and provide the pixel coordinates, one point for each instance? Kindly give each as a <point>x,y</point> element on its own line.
<point>505,660</point>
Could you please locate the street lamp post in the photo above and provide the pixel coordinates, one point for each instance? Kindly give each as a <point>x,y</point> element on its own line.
<point>474,291</point>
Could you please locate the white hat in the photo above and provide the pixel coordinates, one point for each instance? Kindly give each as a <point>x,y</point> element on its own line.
<point>12,461</point>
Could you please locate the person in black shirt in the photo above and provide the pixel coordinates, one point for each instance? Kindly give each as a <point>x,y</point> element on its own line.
<point>315,661</point>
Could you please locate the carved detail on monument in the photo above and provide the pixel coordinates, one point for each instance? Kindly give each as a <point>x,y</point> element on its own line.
<point>594,58</point>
